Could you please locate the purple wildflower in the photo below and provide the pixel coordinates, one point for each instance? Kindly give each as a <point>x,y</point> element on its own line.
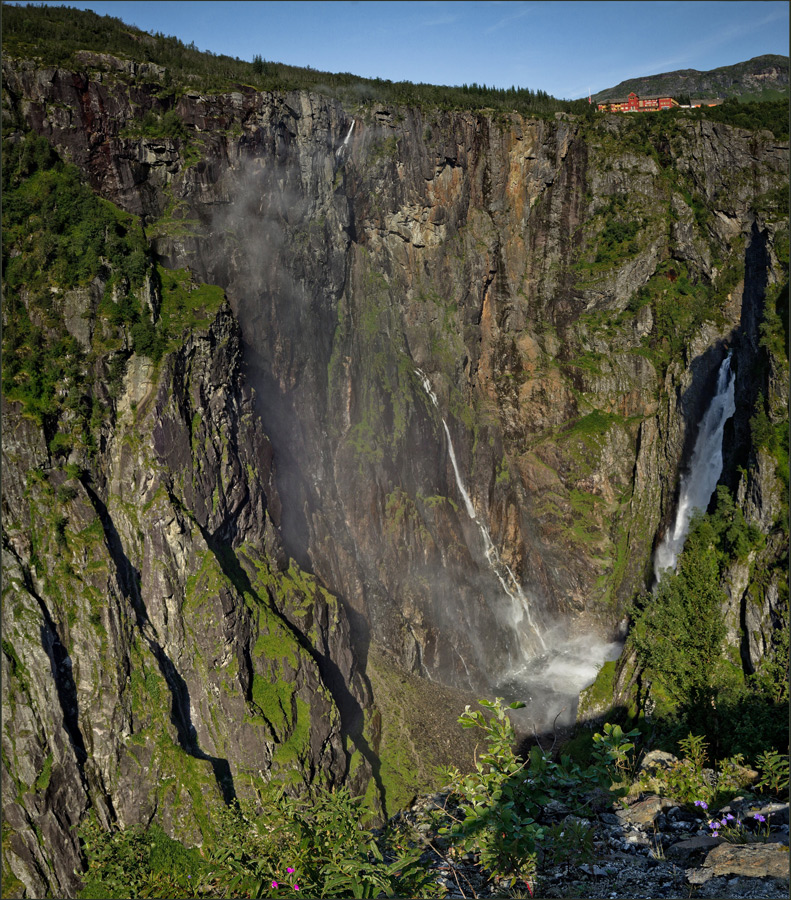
<point>702,804</point>
<point>758,817</point>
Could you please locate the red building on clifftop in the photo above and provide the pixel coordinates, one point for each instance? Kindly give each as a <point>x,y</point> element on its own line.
<point>633,103</point>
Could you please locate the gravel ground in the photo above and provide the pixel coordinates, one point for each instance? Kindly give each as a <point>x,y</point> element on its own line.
<point>629,860</point>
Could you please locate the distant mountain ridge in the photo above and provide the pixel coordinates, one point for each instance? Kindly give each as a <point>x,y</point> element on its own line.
<point>761,78</point>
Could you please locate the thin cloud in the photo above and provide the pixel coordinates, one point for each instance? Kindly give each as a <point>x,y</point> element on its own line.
<point>687,57</point>
<point>506,19</point>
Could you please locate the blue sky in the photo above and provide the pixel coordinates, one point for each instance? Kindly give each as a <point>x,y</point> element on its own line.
<point>559,46</point>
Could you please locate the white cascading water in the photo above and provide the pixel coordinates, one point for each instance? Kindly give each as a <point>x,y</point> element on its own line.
<point>520,607</point>
<point>550,681</point>
<point>345,140</point>
<point>705,469</point>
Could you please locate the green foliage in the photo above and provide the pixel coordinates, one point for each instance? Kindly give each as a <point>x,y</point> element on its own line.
<point>679,636</point>
<point>733,776</point>
<point>255,850</point>
<point>686,780</point>
<point>771,115</point>
<point>594,423</point>
<point>616,748</point>
<point>616,240</point>
<point>500,801</point>
<point>42,781</point>
<point>58,235</point>
<point>679,632</point>
<point>154,125</point>
<point>569,843</point>
<point>497,823</point>
<point>185,306</point>
<point>63,227</point>
<point>139,862</point>
<point>733,536</point>
<point>680,305</point>
<point>774,771</point>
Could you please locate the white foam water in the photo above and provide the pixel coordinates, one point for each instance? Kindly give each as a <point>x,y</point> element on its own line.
<point>345,140</point>
<point>705,468</point>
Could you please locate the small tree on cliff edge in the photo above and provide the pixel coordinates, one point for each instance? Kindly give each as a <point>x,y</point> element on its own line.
<point>679,632</point>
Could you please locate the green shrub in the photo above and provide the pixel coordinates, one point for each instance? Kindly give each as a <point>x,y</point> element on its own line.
<point>679,632</point>
<point>318,845</point>
<point>774,771</point>
<point>500,801</point>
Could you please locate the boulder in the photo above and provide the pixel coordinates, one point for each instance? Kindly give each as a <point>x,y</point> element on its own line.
<point>752,860</point>
<point>644,812</point>
<point>657,760</point>
<point>683,851</point>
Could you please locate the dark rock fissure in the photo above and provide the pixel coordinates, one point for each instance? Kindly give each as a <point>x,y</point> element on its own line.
<point>60,667</point>
<point>179,692</point>
<point>749,356</point>
<point>351,713</point>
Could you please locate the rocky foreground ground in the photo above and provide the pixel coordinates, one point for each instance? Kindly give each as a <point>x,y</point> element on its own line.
<point>650,848</point>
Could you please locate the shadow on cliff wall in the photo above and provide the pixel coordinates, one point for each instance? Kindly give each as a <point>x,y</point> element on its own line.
<point>744,341</point>
<point>351,713</point>
<point>129,582</point>
<point>751,358</point>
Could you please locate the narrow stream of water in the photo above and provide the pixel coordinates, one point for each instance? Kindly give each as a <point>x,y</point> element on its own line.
<point>705,468</point>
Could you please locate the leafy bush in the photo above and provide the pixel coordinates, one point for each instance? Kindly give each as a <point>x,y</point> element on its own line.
<point>774,771</point>
<point>679,632</point>
<point>616,748</point>
<point>688,782</point>
<point>287,847</point>
<point>500,801</point>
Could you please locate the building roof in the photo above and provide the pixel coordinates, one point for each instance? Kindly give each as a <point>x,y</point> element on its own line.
<point>639,97</point>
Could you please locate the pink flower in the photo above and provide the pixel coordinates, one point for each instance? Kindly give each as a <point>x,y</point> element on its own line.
<point>289,870</point>
<point>274,884</point>
<point>296,887</point>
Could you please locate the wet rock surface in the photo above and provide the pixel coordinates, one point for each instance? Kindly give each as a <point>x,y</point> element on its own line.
<point>633,856</point>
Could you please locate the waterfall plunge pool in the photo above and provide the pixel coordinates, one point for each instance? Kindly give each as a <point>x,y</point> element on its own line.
<point>550,684</point>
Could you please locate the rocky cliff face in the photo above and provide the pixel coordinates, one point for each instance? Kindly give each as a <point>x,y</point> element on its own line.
<point>160,652</point>
<point>566,288</point>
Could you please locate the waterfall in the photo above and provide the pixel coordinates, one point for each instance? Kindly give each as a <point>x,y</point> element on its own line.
<point>520,607</point>
<point>705,468</point>
<point>345,140</point>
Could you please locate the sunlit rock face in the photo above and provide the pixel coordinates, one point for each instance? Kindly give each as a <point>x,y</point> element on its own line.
<point>468,248</point>
<point>464,362</point>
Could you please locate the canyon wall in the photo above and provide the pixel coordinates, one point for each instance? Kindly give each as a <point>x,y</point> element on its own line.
<point>567,288</point>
